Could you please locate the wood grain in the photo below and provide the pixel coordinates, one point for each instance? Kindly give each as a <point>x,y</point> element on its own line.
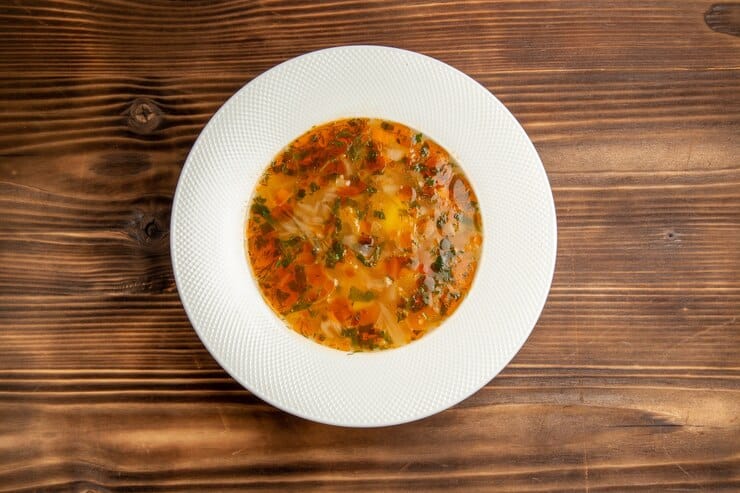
<point>629,382</point>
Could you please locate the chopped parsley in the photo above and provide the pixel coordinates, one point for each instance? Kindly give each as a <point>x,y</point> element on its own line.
<point>357,295</point>
<point>300,305</point>
<point>288,249</point>
<point>335,254</point>
<point>260,209</point>
<point>442,264</point>
<point>354,151</point>
<point>372,259</point>
<point>442,220</point>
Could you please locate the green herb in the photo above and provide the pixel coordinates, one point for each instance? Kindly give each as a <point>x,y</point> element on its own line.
<point>429,182</point>
<point>314,138</point>
<point>344,133</point>
<point>261,210</point>
<point>424,151</point>
<point>335,254</point>
<point>442,220</point>
<point>442,264</point>
<point>288,250</point>
<point>371,190</point>
<point>379,214</point>
<point>357,295</point>
<point>354,151</point>
<point>439,264</point>
<point>351,333</point>
<point>300,305</point>
<point>313,187</point>
<point>337,143</point>
<point>335,206</point>
<point>417,138</point>
<point>372,260</point>
<point>421,298</point>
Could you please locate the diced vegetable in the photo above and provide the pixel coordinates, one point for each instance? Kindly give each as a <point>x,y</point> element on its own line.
<point>363,234</point>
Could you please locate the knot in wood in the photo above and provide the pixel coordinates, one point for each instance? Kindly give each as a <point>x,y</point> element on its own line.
<point>724,18</point>
<point>144,116</point>
<point>149,226</point>
<point>152,230</point>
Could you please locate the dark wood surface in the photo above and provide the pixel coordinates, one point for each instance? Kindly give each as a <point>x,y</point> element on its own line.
<point>630,380</point>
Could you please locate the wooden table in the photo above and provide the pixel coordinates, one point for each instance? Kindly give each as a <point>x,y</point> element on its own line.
<point>630,380</point>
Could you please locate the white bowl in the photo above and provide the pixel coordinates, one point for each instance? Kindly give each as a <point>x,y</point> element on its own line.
<point>389,387</point>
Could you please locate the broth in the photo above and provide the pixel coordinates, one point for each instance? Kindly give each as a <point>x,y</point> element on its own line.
<point>363,234</point>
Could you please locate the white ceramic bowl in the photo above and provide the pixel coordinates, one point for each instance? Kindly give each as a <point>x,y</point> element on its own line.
<point>387,387</point>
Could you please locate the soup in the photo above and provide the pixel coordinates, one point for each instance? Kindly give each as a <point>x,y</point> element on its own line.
<point>363,234</point>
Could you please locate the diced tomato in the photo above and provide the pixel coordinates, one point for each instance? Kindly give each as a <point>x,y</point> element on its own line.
<point>393,265</point>
<point>355,187</point>
<point>341,310</point>
<point>407,193</point>
<point>376,165</point>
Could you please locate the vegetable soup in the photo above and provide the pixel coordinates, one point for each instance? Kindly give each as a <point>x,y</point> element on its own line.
<point>363,234</point>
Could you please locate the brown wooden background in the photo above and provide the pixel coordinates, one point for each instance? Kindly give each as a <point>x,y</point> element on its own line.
<point>631,379</point>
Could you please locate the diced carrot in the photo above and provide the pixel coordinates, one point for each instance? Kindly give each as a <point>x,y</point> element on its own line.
<point>377,165</point>
<point>394,264</point>
<point>355,187</point>
<point>405,239</point>
<point>366,227</point>
<point>368,315</point>
<point>341,310</point>
<point>407,193</point>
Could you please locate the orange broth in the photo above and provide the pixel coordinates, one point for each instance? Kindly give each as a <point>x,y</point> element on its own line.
<point>363,234</point>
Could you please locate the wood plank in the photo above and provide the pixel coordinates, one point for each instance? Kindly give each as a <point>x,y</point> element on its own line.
<point>117,37</point>
<point>562,428</point>
<point>576,111</point>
